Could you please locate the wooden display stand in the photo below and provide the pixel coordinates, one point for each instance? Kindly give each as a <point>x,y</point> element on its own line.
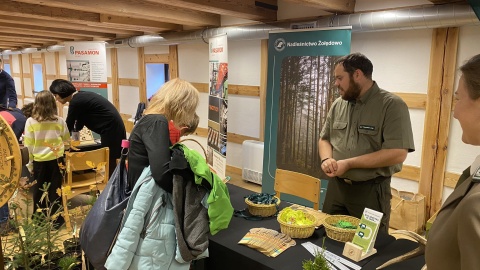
<point>10,168</point>
<point>355,252</point>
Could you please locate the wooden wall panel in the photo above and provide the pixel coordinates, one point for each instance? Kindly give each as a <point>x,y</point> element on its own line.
<point>173,61</point>
<point>114,78</point>
<point>142,84</point>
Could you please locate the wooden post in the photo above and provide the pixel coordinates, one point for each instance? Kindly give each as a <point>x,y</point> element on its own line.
<point>437,116</point>
<point>114,68</point>
<point>173,61</point>
<point>142,76</point>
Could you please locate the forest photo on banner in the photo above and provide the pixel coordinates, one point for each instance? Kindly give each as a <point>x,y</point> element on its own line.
<point>300,91</point>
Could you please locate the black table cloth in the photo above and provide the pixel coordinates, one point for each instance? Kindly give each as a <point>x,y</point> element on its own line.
<point>226,253</point>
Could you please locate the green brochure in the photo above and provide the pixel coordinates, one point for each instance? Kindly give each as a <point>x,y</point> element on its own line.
<point>367,229</point>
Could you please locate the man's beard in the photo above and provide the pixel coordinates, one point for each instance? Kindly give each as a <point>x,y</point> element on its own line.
<point>353,91</point>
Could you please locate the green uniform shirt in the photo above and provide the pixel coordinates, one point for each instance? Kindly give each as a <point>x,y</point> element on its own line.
<point>378,120</point>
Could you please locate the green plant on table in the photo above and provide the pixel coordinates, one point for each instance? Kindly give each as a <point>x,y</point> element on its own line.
<point>319,262</point>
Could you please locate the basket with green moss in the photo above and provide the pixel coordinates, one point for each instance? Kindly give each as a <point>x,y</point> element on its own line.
<point>341,227</point>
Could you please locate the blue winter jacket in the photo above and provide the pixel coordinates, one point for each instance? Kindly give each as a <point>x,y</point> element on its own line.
<point>147,239</point>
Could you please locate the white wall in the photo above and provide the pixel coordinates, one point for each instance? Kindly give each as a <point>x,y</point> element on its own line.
<point>128,68</point>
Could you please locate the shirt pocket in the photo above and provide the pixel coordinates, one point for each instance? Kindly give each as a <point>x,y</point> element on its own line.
<point>339,132</point>
<point>369,139</point>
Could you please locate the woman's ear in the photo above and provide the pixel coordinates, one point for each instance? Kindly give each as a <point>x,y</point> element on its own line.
<point>183,130</point>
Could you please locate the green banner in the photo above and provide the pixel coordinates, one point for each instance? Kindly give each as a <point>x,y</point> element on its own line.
<point>299,94</point>
<point>475,6</point>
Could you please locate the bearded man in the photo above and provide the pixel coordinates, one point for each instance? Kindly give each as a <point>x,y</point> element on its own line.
<point>364,141</point>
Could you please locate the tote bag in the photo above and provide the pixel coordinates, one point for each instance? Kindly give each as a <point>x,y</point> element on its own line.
<point>408,211</point>
<point>102,223</point>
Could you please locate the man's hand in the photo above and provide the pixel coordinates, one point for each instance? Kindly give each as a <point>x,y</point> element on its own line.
<point>332,167</point>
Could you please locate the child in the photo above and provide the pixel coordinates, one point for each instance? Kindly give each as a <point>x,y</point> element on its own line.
<point>44,130</point>
<point>185,130</point>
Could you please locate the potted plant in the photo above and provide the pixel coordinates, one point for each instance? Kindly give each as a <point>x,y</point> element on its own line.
<point>69,262</point>
<point>37,236</point>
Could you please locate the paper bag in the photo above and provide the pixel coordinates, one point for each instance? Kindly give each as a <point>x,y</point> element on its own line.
<point>408,211</point>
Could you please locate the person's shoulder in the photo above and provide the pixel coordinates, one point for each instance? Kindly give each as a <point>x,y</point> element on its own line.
<point>3,73</point>
<point>30,121</point>
<point>149,121</point>
<point>390,98</point>
<point>338,104</point>
<point>18,114</point>
<point>156,117</point>
<point>471,201</point>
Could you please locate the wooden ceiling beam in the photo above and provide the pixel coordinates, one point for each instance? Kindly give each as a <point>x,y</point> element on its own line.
<point>67,16</point>
<point>42,33</point>
<point>13,8</point>
<point>9,47</point>
<point>22,41</point>
<point>132,8</point>
<point>334,6</point>
<point>55,31</point>
<point>71,26</point>
<point>33,37</point>
<point>9,36</point>
<point>262,10</point>
<point>16,44</point>
<point>146,26</point>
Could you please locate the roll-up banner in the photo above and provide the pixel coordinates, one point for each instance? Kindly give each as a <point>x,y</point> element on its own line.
<point>218,105</point>
<point>300,91</point>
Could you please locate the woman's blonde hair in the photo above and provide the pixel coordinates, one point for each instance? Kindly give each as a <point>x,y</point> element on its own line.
<point>44,107</point>
<point>177,100</point>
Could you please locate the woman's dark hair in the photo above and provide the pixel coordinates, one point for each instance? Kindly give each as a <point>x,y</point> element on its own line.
<point>62,87</point>
<point>471,76</point>
<point>27,110</point>
<point>356,61</point>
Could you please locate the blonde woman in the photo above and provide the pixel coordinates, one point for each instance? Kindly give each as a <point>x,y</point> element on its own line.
<point>176,101</point>
<point>42,130</point>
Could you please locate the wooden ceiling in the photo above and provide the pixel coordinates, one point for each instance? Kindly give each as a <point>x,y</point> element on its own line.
<point>41,23</point>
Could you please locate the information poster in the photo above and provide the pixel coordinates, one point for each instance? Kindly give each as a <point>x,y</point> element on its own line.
<point>87,66</point>
<point>218,105</point>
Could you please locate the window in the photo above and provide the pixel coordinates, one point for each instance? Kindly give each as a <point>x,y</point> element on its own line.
<point>157,75</point>
<point>6,67</point>
<point>37,78</point>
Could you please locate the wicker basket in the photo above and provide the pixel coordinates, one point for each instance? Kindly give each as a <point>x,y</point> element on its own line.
<point>340,234</point>
<point>262,210</point>
<point>298,231</point>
